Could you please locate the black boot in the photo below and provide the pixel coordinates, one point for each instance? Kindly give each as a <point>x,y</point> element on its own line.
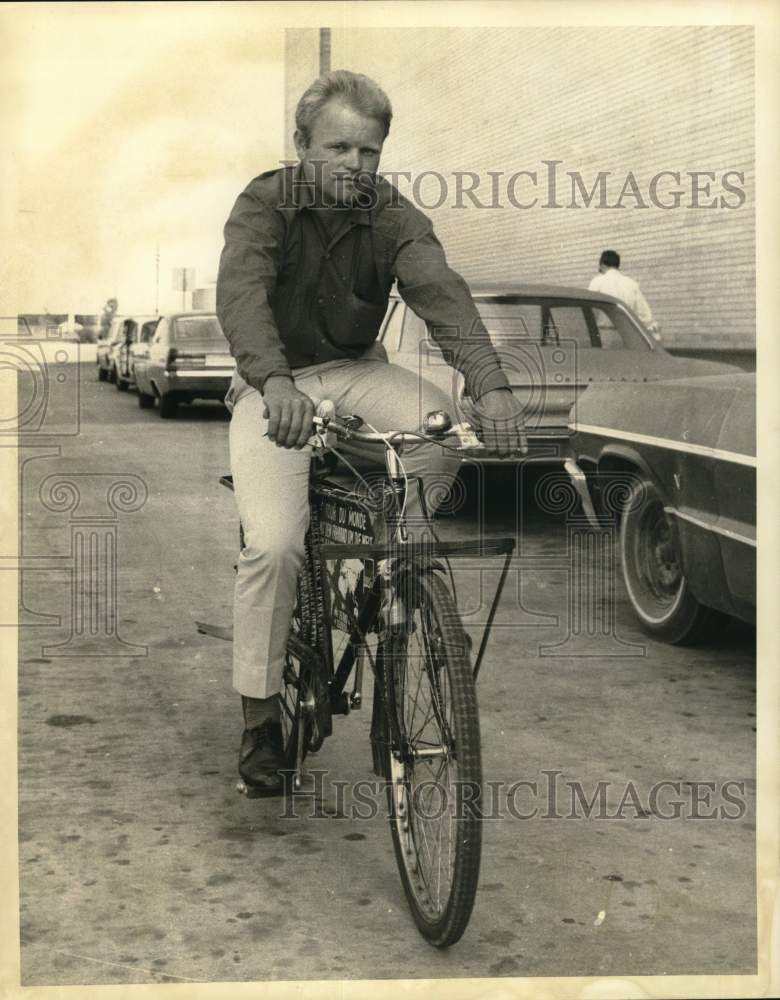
<point>261,758</point>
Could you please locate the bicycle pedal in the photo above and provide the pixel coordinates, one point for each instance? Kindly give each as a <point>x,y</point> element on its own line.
<point>340,705</point>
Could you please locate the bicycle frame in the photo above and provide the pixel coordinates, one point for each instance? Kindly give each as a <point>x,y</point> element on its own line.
<point>391,562</point>
<point>370,569</point>
<point>346,527</point>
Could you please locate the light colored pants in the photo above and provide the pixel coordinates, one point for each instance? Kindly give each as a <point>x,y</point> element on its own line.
<point>271,490</point>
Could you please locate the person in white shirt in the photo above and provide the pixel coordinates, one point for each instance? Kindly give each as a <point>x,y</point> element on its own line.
<point>610,281</point>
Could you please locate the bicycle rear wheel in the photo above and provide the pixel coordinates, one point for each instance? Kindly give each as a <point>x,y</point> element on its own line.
<point>298,712</point>
<point>434,763</point>
<point>312,644</point>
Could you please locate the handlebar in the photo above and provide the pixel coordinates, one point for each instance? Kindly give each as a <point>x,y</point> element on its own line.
<point>437,427</point>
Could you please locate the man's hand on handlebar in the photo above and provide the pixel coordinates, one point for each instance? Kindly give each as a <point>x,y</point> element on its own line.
<point>500,424</point>
<point>289,412</point>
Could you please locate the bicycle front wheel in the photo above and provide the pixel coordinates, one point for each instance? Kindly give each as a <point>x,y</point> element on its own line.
<point>434,762</point>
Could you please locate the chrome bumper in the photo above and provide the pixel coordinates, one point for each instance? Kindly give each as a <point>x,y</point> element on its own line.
<point>580,483</point>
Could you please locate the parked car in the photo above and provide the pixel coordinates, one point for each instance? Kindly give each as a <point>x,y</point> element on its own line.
<point>139,348</point>
<point>553,342</point>
<point>188,358</point>
<point>113,355</point>
<point>104,354</point>
<point>70,331</point>
<point>134,330</point>
<point>675,462</point>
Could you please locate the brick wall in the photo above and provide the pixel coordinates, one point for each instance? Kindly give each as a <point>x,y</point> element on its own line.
<point>618,100</point>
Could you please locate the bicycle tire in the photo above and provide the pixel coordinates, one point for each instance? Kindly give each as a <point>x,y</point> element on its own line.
<point>298,682</point>
<point>442,668</point>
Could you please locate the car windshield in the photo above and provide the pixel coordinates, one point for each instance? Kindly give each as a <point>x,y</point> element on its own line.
<point>545,322</point>
<point>199,328</point>
<point>147,330</point>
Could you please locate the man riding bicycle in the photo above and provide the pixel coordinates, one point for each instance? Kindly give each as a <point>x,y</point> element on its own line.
<point>311,254</point>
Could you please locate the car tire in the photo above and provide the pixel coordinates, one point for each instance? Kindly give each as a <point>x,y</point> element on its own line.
<point>112,375</point>
<point>145,401</point>
<point>169,406</point>
<point>651,560</point>
<point>121,384</point>
<point>102,375</point>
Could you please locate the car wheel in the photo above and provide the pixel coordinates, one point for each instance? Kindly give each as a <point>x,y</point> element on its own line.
<point>102,374</point>
<point>145,401</point>
<point>169,406</point>
<point>121,384</point>
<point>112,374</point>
<point>651,559</point>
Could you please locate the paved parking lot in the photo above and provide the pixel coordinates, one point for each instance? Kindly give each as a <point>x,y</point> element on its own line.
<point>628,850</point>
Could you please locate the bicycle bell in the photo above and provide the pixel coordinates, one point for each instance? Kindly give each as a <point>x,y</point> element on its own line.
<point>437,423</point>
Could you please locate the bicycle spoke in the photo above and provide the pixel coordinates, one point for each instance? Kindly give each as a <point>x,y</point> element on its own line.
<point>438,883</point>
<point>414,736</point>
<point>410,724</point>
<point>290,713</point>
<point>436,695</point>
<point>430,830</point>
<point>425,842</point>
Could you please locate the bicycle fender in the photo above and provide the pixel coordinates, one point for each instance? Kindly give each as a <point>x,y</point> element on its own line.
<point>416,566</point>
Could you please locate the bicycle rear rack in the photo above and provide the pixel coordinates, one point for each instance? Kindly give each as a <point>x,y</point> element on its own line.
<point>427,552</point>
<point>422,551</point>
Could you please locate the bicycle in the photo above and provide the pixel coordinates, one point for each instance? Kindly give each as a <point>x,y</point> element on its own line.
<point>369,591</point>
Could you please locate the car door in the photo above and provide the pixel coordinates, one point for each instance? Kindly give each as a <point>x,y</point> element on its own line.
<point>143,361</point>
<point>735,488</point>
<point>158,352</point>
<point>534,355</point>
<point>116,337</point>
<point>129,335</point>
<point>139,351</point>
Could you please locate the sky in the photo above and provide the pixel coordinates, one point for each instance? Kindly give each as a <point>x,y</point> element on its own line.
<point>132,127</point>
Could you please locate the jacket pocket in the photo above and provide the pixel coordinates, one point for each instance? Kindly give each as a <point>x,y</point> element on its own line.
<point>365,320</point>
